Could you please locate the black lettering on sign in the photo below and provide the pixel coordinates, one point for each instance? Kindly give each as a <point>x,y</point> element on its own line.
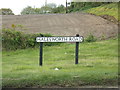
<point>59,39</point>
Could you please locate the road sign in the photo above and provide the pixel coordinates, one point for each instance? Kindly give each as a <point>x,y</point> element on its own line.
<point>59,39</point>
<point>75,39</point>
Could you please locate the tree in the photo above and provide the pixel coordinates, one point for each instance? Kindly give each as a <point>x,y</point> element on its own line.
<point>37,11</point>
<point>28,10</point>
<point>44,9</point>
<point>52,5</point>
<point>6,11</point>
<point>59,9</point>
<point>48,8</point>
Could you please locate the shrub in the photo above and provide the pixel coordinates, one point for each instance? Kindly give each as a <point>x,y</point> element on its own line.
<point>90,38</point>
<point>13,40</point>
<point>102,37</point>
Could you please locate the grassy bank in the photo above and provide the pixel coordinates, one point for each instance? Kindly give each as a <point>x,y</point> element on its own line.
<point>109,9</point>
<point>98,66</point>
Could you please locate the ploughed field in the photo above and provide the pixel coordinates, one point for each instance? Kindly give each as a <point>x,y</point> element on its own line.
<point>62,24</point>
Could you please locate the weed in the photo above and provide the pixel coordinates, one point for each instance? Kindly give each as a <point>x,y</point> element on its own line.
<point>90,38</point>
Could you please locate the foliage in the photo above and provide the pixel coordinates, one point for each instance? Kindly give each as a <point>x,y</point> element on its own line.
<point>52,8</point>
<point>98,66</point>
<point>51,5</point>
<point>78,6</point>
<point>90,38</point>
<point>29,10</point>
<point>109,9</point>
<point>49,8</point>
<point>13,40</point>
<point>44,9</point>
<point>59,9</point>
<point>6,11</point>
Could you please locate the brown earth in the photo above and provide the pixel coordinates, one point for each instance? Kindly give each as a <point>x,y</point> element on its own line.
<point>63,24</point>
<point>110,18</point>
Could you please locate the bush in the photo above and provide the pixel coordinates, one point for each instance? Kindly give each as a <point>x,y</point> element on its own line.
<point>90,38</point>
<point>13,40</point>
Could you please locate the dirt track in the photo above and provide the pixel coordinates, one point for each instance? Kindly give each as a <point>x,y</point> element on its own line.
<point>64,24</point>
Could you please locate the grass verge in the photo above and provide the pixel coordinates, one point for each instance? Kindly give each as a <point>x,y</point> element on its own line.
<point>98,66</point>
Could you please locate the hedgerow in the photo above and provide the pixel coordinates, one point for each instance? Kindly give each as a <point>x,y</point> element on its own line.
<point>13,40</point>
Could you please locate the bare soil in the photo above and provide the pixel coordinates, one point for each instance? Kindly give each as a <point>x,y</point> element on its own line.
<point>110,18</point>
<point>63,24</point>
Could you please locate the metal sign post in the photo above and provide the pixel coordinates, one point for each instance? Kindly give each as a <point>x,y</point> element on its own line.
<point>41,53</point>
<point>66,7</point>
<point>76,50</point>
<point>75,39</point>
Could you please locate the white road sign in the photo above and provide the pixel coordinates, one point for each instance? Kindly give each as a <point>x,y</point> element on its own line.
<point>59,39</point>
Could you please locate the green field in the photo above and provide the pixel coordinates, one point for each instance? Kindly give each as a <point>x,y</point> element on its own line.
<point>98,66</point>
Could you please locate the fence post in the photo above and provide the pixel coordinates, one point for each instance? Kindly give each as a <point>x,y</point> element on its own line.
<point>76,50</point>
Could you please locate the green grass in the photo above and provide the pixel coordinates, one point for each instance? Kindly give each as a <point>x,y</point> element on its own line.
<point>98,66</point>
<point>109,9</point>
